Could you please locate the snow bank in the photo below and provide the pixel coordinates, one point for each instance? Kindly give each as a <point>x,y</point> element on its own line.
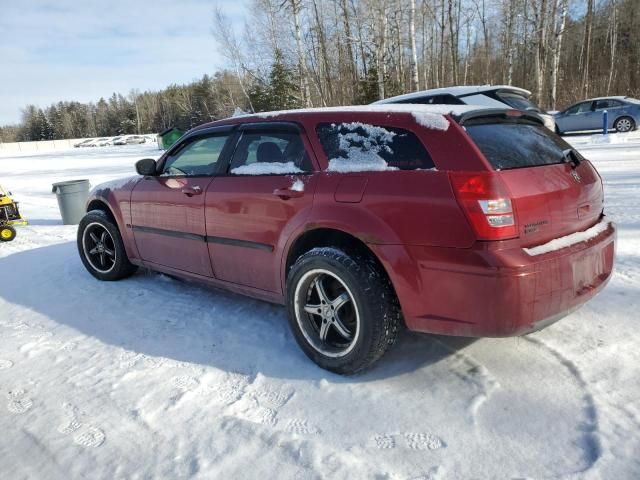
<point>603,141</point>
<point>272,168</point>
<point>569,240</point>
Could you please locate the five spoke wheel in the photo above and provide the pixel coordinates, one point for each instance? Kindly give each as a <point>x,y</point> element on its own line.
<point>326,313</point>
<point>99,247</point>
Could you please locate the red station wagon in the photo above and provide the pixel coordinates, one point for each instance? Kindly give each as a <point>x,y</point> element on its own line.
<point>361,220</point>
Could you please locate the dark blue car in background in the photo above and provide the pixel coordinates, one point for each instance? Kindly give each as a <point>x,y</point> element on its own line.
<point>623,115</point>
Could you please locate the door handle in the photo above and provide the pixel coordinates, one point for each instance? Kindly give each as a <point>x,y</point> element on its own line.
<point>287,193</point>
<point>191,191</point>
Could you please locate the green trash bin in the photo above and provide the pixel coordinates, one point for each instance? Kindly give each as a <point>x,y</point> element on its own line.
<point>72,197</point>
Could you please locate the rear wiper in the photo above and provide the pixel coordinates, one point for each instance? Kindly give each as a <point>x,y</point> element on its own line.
<point>572,157</point>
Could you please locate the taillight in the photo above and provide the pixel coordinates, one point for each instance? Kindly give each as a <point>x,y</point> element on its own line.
<point>486,203</point>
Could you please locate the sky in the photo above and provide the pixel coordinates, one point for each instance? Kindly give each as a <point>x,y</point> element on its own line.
<point>86,49</point>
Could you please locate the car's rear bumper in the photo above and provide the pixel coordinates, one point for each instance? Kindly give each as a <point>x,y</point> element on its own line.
<point>490,291</point>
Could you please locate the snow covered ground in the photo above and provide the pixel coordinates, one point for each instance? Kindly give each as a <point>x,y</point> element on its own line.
<point>157,378</point>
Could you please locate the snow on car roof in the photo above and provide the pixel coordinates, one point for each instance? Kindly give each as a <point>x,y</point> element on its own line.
<point>456,91</point>
<point>429,116</point>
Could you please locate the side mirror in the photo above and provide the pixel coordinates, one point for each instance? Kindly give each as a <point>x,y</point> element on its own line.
<point>147,167</point>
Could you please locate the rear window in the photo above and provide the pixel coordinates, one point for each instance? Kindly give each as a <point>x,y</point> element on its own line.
<point>517,145</point>
<point>519,102</point>
<point>352,147</point>
<point>444,99</point>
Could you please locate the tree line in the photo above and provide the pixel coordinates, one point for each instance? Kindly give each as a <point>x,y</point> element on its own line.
<point>304,53</point>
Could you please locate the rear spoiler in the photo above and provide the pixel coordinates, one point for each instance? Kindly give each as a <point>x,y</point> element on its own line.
<point>500,114</point>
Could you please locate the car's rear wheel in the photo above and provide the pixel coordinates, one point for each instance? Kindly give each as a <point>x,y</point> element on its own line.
<point>624,124</point>
<point>7,233</point>
<point>342,309</point>
<point>101,248</point>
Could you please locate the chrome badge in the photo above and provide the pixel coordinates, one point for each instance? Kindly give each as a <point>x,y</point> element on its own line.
<point>576,176</point>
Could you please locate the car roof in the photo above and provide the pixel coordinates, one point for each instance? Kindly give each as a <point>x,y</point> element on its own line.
<point>612,97</point>
<point>455,91</point>
<point>434,112</point>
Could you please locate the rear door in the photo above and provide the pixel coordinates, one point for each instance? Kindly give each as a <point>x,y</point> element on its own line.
<point>613,108</point>
<point>167,210</point>
<point>551,197</point>
<point>267,189</point>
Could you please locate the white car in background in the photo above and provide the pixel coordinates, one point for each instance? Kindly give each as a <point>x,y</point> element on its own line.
<point>497,96</point>
<point>129,140</point>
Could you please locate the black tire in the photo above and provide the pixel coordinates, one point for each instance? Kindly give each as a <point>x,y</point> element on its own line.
<point>102,264</point>
<point>624,124</point>
<point>374,309</point>
<point>7,233</point>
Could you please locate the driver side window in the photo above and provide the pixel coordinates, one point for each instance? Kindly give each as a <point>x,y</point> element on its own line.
<point>197,158</point>
<point>580,108</point>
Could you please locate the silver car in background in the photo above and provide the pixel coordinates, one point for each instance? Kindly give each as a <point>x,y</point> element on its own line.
<point>623,115</point>
<point>496,96</point>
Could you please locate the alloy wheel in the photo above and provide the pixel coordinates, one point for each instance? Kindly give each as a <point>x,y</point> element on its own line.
<point>326,313</point>
<point>623,125</point>
<point>99,247</point>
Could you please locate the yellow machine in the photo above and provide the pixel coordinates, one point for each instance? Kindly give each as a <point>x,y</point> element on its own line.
<point>9,216</point>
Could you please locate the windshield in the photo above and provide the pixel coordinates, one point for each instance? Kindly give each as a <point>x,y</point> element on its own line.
<point>520,102</point>
<point>520,144</point>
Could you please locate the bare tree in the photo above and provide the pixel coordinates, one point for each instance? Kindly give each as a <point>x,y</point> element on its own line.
<point>557,51</point>
<point>302,59</point>
<point>232,50</point>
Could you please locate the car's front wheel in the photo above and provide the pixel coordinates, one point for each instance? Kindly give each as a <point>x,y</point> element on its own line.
<point>342,309</point>
<point>624,124</point>
<point>101,248</point>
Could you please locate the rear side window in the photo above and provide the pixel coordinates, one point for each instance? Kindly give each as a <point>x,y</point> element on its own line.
<point>356,147</point>
<point>518,102</point>
<point>445,99</point>
<point>602,104</point>
<point>270,153</point>
<point>517,145</point>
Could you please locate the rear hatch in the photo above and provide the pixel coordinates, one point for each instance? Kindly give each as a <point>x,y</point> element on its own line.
<point>553,190</point>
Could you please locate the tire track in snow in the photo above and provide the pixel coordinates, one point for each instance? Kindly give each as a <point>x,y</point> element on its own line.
<point>592,443</point>
<point>474,373</point>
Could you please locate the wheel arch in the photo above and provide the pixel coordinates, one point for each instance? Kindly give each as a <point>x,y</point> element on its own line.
<point>324,236</point>
<point>100,204</point>
<point>634,122</point>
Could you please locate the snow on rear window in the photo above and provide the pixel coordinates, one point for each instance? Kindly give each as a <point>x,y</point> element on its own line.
<point>266,168</point>
<point>360,147</point>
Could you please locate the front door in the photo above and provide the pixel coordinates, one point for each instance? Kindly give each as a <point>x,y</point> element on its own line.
<point>167,210</point>
<point>577,118</point>
<point>268,189</point>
